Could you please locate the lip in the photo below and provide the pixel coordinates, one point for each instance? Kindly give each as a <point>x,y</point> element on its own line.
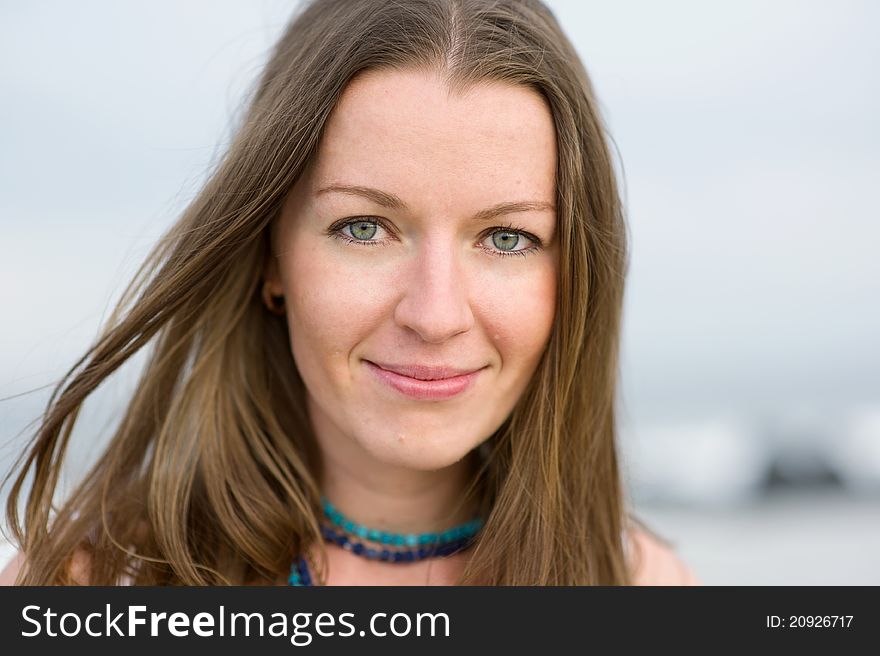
<point>424,383</point>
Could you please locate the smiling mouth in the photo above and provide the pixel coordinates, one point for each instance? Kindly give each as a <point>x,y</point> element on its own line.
<point>426,372</point>
<point>425,389</point>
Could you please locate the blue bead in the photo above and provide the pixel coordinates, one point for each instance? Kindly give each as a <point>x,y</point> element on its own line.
<point>408,556</point>
<point>385,555</point>
<point>372,553</point>
<point>299,573</point>
<point>358,548</point>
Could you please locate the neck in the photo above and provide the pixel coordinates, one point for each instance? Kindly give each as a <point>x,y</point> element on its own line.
<point>386,496</point>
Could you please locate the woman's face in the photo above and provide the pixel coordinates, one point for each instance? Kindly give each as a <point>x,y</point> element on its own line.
<point>422,235</point>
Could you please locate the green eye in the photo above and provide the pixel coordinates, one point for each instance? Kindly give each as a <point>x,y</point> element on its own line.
<point>505,241</point>
<point>363,230</point>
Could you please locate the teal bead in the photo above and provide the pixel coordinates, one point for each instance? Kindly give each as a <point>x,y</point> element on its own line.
<point>465,530</point>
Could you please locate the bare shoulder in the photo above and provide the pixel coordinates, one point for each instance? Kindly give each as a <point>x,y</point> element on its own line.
<point>80,568</point>
<point>12,568</point>
<point>653,560</point>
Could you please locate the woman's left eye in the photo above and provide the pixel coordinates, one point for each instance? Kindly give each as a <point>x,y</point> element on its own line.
<point>507,239</point>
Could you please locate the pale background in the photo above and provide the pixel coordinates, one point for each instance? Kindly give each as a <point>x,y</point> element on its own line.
<point>749,137</point>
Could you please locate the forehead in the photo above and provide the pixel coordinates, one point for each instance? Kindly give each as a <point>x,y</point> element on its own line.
<point>403,132</point>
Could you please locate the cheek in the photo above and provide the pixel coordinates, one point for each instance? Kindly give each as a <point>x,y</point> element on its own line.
<point>519,311</point>
<point>331,306</point>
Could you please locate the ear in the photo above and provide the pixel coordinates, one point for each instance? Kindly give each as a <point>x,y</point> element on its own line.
<point>271,272</point>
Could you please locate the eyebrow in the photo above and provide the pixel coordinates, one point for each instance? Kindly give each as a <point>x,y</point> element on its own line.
<point>394,202</point>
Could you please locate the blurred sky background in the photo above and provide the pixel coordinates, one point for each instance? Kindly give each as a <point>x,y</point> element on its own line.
<point>749,137</point>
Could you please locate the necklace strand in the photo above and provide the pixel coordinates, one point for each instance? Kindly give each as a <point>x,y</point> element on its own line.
<point>427,545</point>
<point>399,539</point>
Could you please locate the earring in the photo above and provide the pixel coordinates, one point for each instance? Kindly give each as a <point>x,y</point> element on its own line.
<point>275,304</point>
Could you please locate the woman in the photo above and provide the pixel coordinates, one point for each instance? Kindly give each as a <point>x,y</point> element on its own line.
<point>383,338</point>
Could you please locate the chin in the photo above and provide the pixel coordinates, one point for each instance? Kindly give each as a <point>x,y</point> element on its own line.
<point>417,453</point>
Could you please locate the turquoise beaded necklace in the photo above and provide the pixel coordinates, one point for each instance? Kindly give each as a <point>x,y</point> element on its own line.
<point>467,529</point>
<point>393,549</point>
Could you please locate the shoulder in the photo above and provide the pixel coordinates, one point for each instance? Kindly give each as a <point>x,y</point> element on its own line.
<point>80,568</point>
<point>11,569</point>
<point>653,561</point>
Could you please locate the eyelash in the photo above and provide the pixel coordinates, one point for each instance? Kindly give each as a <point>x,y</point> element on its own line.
<point>335,231</point>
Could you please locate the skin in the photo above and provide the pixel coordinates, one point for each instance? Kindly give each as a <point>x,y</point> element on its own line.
<point>432,289</point>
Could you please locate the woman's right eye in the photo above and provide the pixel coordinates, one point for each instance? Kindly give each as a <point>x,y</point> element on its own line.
<point>363,230</point>
<point>358,231</point>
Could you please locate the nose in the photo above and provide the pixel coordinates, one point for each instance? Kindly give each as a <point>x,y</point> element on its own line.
<point>435,302</point>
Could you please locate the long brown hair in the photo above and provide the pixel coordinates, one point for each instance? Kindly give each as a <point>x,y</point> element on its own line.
<point>210,476</point>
